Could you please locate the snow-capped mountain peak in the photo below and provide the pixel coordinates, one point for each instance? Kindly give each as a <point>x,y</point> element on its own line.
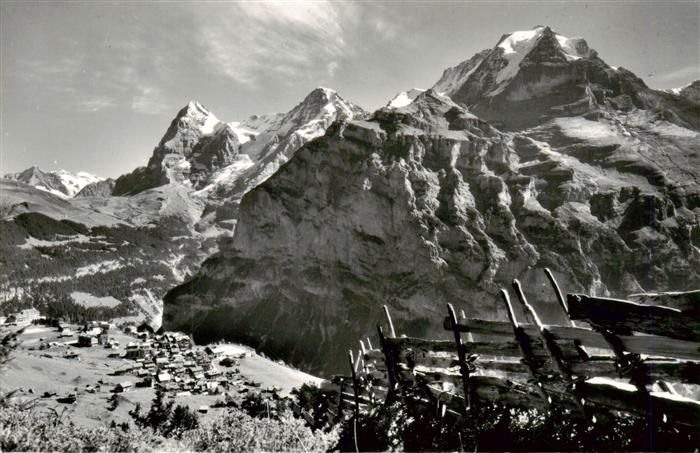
<point>404,98</point>
<point>271,140</point>
<point>201,117</point>
<point>690,92</point>
<point>522,42</point>
<point>319,103</point>
<point>75,182</point>
<point>59,182</point>
<point>531,75</point>
<point>489,72</point>
<point>516,46</point>
<point>517,40</point>
<point>192,121</point>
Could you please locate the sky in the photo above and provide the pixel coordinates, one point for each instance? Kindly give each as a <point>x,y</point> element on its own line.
<point>92,86</point>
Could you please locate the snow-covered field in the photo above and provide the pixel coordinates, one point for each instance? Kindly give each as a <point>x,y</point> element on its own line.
<point>101,267</point>
<point>88,300</point>
<point>34,242</point>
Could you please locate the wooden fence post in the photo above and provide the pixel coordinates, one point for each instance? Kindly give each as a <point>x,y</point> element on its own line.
<point>614,342</point>
<point>525,346</point>
<point>389,362</point>
<point>354,383</point>
<point>340,398</point>
<point>559,295</point>
<point>565,308</point>
<point>555,354</point>
<point>392,332</point>
<point>550,345</point>
<point>628,363</point>
<point>463,366</point>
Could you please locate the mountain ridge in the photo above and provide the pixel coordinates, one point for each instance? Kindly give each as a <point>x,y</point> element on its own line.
<point>430,203</point>
<point>61,183</point>
<point>197,144</point>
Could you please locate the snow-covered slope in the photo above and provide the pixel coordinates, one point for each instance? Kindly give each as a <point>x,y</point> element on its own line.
<point>690,92</point>
<point>404,98</point>
<point>61,183</point>
<point>74,183</point>
<point>275,138</point>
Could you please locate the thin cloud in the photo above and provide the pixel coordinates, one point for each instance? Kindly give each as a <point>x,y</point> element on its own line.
<point>145,64</point>
<point>149,100</point>
<point>126,70</point>
<point>283,41</point>
<point>682,73</point>
<point>61,78</point>
<point>332,68</point>
<point>93,104</point>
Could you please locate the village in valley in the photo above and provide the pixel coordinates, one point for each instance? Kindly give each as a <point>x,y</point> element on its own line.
<point>99,369</point>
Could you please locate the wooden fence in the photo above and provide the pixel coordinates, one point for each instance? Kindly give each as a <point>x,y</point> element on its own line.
<point>612,356</point>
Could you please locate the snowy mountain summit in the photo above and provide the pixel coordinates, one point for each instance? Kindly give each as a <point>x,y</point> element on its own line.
<point>404,98</point>
<point>515,51</point>
<point>548,45</point>
<point>531,76</point>
<point>59,182</point>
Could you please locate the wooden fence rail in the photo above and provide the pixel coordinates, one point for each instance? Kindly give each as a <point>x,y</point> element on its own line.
<point>612,356</point>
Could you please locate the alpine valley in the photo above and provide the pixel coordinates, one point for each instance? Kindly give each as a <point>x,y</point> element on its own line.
<point>290,231</point>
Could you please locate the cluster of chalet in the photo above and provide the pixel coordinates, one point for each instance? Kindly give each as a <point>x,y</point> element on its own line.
<point>172,362</point>
<point>93,334</point>
<point>22,318</point>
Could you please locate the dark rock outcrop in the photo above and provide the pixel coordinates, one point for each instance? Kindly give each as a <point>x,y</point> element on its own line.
<point>172,158</point>
<point>97,189</point>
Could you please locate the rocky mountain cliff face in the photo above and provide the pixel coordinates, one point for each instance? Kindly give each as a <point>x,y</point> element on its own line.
<point>180,150</point>
<point>431,203</point>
